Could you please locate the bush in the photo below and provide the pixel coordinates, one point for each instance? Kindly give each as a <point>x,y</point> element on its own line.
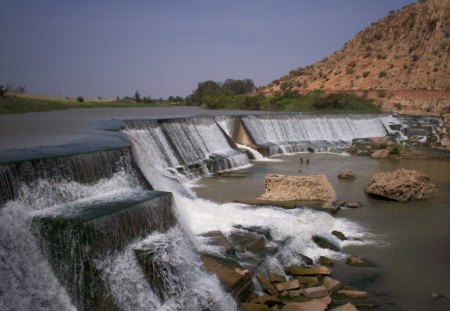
<point>2,91</point>
<point>366,74</point>
<point>395,150</point>
<point>381,93</point>
<point>382,74</point>
<point>381,55</point>
<point>80,99</point>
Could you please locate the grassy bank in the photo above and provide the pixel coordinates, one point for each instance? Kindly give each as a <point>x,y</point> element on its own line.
<point>31,103</point>
<point>316,101</point>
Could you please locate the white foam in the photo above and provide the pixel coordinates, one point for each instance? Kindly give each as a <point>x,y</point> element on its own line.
<point>28,282</point>
<point>298,225</point>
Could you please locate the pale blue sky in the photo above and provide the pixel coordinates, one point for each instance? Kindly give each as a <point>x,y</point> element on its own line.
<point>165,47</point>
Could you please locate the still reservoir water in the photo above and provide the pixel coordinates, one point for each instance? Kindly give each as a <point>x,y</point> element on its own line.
<point>412,249</point>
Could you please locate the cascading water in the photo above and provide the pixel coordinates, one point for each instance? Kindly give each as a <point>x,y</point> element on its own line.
<point>47,187</point>
<point>193,147</point>
<point>292,230</point>
<point>297,133</point>
<point>94,193</point>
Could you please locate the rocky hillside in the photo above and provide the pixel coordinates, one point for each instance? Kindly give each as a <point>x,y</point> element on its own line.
<point>401,60</point>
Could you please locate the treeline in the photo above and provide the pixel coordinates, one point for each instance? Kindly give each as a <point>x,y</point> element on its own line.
<point>242,94</point>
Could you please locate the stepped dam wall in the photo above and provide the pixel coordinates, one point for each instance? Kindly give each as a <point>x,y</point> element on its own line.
<point>108,229</point>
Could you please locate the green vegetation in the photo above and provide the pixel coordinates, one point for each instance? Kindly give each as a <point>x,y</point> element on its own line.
<point>214,95</point>
<point>230,94</point>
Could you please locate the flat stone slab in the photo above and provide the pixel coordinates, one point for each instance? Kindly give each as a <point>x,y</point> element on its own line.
<point>265,283</point>
<point>267,300</point>
<point>331,284</point>
<point>308,280</point>
<point>304,188</point>
<point>299,270</point>
<point>230,275</point>
<point>346,307</point>
<point>293,284</point>
<point>315,292</point>
<point>276,278</point>
<point>313,305</point>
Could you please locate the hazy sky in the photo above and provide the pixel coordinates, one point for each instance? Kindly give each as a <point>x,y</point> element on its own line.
<point>165,47</point>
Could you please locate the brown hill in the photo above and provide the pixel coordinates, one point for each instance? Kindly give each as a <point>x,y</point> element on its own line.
<point>402,61</point>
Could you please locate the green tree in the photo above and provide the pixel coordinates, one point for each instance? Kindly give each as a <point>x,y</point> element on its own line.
<point>2,91</point>
<point>205,88</point>
<point>137,97</point>
<point>238,87</point>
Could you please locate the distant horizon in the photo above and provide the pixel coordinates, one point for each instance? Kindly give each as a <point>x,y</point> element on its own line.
<point>164,48</point>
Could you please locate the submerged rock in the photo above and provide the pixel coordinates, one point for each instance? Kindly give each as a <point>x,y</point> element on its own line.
<point>325,261</point>
<point>352,293</point>
<point>324,243</point>
<point>339,235</point>
<point>357,261</point>
<point>401,185</point>
<point>217,238</point>
<point>352,204</point>
<point>346,174</point>
<point>304,188</point>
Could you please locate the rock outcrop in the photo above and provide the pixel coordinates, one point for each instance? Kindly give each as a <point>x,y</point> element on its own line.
<point>298,188</point>
<point>401,61</point>
<point>401,185</point>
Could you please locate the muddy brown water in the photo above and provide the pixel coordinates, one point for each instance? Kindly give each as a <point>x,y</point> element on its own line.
<point>412,253</point>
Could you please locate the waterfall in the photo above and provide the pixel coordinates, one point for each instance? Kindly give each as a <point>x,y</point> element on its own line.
<point>30,278</point>
<point>193,147</point>
<point>85,231</point>
<point>42,175</point>
<point>161,145</point>
<point>298,133</point>
<point>170,261</point>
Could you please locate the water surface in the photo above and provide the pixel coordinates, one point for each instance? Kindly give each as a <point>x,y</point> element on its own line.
<point>412,252</point>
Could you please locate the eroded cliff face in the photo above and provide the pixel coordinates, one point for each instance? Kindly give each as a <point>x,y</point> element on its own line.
<point>402,61</point>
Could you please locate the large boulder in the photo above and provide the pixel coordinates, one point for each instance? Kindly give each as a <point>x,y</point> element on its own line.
<point>298,188</point>
<point>401,185</point>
